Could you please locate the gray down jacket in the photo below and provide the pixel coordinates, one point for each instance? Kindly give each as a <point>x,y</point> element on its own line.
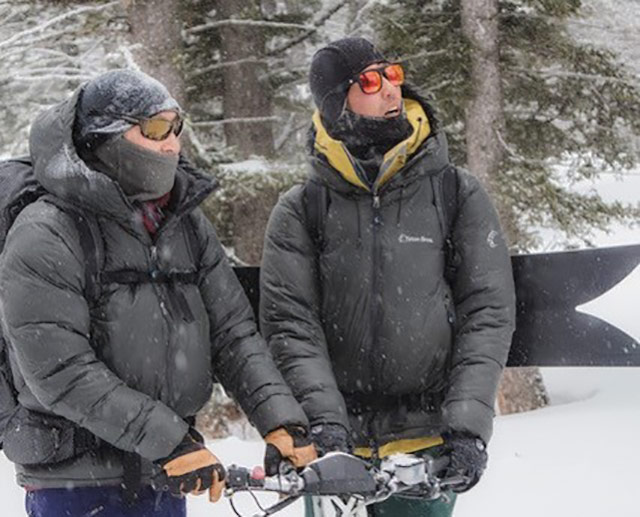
<point>369,334</point>
<point>133,367</point>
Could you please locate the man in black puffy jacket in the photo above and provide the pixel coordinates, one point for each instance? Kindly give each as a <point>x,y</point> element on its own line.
<point>109,382</point>
<point>384,353</point>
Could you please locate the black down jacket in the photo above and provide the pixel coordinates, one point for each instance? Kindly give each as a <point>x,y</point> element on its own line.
<point>377,325</point>
<point>132,368</point>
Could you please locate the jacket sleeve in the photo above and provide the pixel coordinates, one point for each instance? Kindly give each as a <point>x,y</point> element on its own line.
<point>290,314</point>
<point>484,298</point>
<point>46,317</point>
<point>241,360</point>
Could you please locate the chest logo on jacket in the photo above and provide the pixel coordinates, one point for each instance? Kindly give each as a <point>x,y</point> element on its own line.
<point>403,238</point>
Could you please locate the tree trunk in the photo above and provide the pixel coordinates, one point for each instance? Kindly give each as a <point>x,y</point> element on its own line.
<point>247,91</point>
<point>484,113</point>
<point>158,48</point>
<point>157,42</point>
<point>521,389</point>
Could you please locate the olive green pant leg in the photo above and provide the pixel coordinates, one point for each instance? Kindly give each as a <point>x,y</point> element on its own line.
<point>393,507</point>
<point>403,507</point>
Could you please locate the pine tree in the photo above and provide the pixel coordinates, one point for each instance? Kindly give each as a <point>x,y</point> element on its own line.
<point>47,49</point>
<point>570,111</point>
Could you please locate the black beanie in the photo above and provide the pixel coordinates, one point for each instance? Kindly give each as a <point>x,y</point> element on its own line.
<point>332,67</point>
<point>118,92</point>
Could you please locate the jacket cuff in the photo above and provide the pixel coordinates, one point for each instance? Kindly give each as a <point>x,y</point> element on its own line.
<point>278,411</point>
<point>469,416</point>
<point>163,432</point>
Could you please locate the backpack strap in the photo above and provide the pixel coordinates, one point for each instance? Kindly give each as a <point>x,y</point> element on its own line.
<point>316,204</point>
<point>446,193</point>
<point>93,250</point>
<point>91,243</point>
<point>193,241</point>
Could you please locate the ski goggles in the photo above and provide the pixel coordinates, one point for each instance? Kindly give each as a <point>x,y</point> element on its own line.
<point>370,81</point>
<point>157,128</point>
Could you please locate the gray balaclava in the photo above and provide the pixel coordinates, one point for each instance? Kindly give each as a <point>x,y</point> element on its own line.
<point>99,128</point>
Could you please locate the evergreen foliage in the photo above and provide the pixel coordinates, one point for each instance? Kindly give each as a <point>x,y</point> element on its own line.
<point>287,43</point>
<point>571,111</point>
<point>47,49</point>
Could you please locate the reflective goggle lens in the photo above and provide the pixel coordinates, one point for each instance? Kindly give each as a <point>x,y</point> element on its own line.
<point>395,74</point>
<point>371,80</point>
<point>159,128</point>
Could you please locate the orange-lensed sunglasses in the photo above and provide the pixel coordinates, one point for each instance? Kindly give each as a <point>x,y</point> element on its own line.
<point>370,81</point>
<point>157,128</point>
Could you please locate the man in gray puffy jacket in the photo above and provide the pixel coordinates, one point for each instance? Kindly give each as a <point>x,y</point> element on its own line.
<point>111,368</point>
<point>384,350</point>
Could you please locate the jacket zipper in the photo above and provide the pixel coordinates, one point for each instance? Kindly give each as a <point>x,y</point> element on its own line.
<point>375,306</point>
<point>155,269</point>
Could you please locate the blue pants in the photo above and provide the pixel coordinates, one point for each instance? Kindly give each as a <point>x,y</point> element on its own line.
<point>101,502</point>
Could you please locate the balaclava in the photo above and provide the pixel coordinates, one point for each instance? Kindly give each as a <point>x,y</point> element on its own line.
<point>367,138</point>
<point>98,132</point>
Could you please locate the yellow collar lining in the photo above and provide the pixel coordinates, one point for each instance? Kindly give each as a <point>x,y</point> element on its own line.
<point>394,159</point>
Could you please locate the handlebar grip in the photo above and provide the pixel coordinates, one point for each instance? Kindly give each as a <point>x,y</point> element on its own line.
<point>222,473</point>
<point>239,478</point>
<point>440,464</point>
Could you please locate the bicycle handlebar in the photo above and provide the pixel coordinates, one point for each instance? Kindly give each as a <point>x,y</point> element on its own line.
<point>340,474</point>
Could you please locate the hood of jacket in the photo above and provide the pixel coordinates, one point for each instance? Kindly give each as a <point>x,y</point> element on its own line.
<point>333,164</point>
<point>61,171</point>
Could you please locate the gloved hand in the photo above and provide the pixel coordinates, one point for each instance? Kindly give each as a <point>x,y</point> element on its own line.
<point>191,468</point>
<point>331,437</point>
<point>288,443</point>
<point>468,457</point>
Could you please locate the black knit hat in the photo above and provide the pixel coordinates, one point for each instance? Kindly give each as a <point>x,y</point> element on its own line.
<point>115,93</point>
<point>332,67</point>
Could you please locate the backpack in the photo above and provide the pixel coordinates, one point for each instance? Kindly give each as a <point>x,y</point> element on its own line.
<point>445,185</point>
<point>19,188</point>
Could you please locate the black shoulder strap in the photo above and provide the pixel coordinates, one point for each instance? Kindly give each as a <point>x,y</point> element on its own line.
<point>445,189</point>
<point>316,203</point>
<point>193,242</point>
<point>91,244</point>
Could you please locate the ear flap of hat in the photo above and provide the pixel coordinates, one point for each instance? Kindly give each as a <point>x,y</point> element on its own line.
<point>331,69</point>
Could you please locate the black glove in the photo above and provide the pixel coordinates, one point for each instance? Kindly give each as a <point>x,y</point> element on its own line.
<point>331,437</point>
<point>191,468</point>
<point>291,443</point>
<point>467,457</point>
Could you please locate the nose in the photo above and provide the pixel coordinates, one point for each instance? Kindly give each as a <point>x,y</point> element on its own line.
<point>389,91</point>
<point>171,144</point>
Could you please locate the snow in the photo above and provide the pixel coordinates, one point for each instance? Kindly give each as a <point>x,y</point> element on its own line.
<point>577,457</point>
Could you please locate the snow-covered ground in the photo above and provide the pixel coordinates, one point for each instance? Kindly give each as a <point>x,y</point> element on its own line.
<point>577,458</point>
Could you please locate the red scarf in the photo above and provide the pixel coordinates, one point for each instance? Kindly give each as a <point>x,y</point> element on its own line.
<point>153,213</point>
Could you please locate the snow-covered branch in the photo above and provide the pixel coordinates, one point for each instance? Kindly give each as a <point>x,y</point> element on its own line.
<point>424,53</point>
<point>198,146</point>
<point>217,66</point>
<point>546,72</point>
<point>515,156</point>
<point>356,20</point>
<point>234,120</point>
<point>57,19</point>
<point>316,25</point>
<point>244,23</point>
<point>125,50</point>
<point>52,77</point>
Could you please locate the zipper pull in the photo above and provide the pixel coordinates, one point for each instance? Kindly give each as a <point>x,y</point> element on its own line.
<point>376,201</point>
<point>154,261</point>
